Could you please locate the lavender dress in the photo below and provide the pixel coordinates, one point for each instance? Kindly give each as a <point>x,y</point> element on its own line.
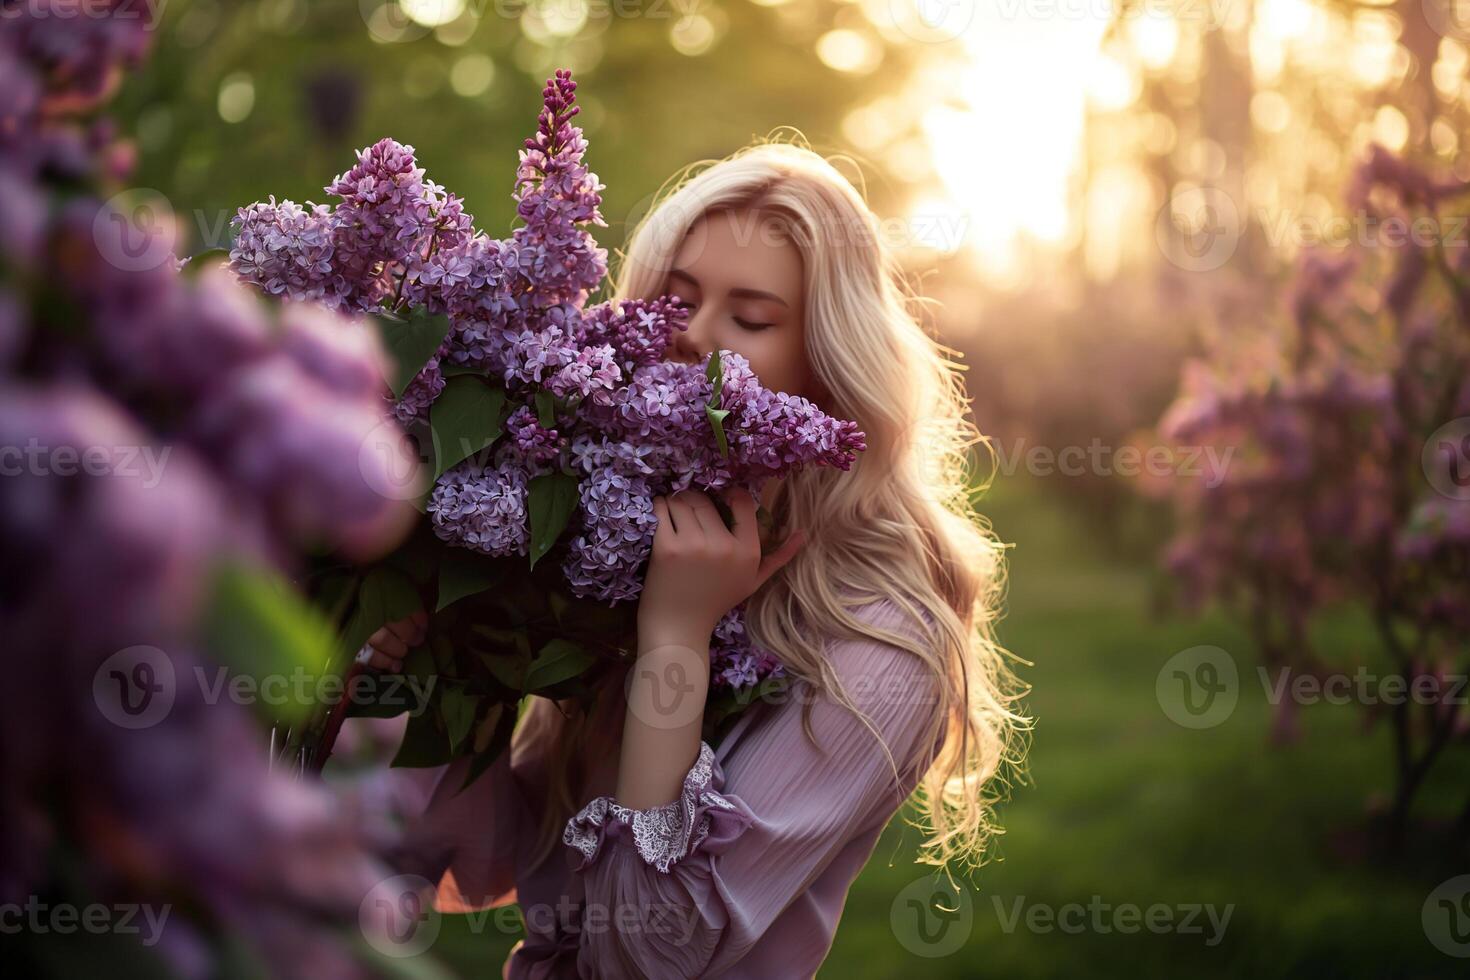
<point>744,875</point>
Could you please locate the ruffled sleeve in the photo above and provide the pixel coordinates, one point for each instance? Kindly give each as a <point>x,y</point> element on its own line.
<point>664,835</point>
<point>694,884</point>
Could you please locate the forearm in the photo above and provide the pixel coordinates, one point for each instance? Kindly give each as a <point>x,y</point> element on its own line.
<point>661,732</point>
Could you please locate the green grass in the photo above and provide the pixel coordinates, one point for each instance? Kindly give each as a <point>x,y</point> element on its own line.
<point>1128,808</point>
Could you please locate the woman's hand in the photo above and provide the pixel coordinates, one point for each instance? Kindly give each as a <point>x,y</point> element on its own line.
<point>386,648</point>
<point>700,569</point>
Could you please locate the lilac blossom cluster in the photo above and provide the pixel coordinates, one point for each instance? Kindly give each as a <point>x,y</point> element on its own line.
<point>737,663</point>
<point>256,420</point>
<point>627,423</point>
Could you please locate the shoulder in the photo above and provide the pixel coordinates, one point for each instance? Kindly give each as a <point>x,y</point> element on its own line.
<point>897,688</point>
<point>887,648</point>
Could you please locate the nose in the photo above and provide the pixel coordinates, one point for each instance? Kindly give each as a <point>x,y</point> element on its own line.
<point>690,346</point>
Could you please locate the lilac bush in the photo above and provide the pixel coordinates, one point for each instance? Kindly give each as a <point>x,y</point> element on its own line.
<point>1350,416</point>
<point>172,446</point>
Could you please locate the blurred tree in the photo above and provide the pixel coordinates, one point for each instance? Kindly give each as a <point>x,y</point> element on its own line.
<point>246,98</point>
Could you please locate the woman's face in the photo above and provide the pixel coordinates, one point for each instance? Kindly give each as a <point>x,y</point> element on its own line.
<point>741,281</point>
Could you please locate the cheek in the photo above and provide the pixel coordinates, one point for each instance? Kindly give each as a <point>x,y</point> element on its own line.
<point>779,360</point>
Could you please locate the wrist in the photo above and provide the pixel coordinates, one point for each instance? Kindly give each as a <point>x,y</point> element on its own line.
<point>659,628</point>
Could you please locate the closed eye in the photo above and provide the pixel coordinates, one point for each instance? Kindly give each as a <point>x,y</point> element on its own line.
<point>746,324</point>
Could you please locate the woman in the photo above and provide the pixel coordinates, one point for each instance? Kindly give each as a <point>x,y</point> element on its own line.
<point>634,848</point>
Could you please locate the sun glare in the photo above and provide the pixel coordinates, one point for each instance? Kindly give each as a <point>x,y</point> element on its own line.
<point>1006,149</point>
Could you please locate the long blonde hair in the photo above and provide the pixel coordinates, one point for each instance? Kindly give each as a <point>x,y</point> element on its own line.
<point>900,524</point>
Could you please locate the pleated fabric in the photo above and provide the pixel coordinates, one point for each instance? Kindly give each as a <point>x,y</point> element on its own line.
<point>744,875</point>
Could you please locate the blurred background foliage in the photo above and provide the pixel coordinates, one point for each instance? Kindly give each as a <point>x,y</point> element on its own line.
<point>1036,160</point>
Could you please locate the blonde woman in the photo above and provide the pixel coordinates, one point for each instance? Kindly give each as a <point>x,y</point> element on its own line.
<point>634,848</point>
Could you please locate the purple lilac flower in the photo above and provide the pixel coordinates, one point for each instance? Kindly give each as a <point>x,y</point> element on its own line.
<point>533,445</point>
<point>736,662</point>
<point>591,375</point>
<point>286,250</point>
<point>482,508</point>
<point>386,209</point>
<point>639,331</point>
<point>775,431</point>
<point>184,810</point>
<point>417,398</point>
<point>555,194</point>
<point>339,352</point>
<point>616,536</point>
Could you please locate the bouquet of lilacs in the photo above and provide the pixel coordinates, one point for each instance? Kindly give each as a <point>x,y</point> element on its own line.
<point>171,445</point>
<point>551,425</point>
<point>1350,417</point>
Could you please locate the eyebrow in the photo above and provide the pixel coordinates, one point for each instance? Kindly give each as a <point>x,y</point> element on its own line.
<point>740,291</point>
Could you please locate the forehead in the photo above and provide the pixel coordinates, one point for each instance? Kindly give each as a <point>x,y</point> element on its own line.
<point>733,249</point>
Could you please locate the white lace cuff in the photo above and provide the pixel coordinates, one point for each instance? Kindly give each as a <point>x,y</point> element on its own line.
<point>664,835</point>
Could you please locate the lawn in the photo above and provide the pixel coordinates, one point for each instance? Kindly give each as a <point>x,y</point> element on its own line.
<point>1142,848</point>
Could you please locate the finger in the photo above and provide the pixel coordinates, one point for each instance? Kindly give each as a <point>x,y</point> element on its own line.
<point>705,513</point>
<point>682,516</point>
<point>663,532</point>
<point>406,630</point>
<point>378,660</point>
<point>776,560</point>
<point>384,641</point>
<point>746,528</point>
<point>382,661</point>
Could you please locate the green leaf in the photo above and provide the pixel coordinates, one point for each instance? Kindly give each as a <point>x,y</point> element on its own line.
<point>464,573</point>
<point>410,342</point>
<point>466,417</point>
<point>545,409</point>
<point>386,595</point>
<point>508,670</point>
<point>492,737</point>
<point>717,418</point>
<point>558,660</point>
<point>423,744</point>
<point>256,625</point>
<point>455,370</point>
<point>505,637</point>
<point>715,372</point>
<point>458,707</point>
<point>551,499</point>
